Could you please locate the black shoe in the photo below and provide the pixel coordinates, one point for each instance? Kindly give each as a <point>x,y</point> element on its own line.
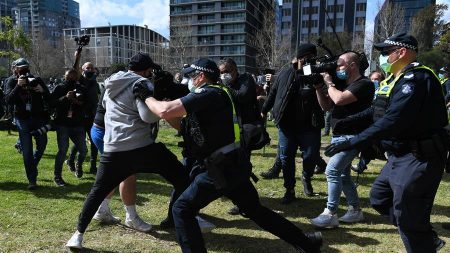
<point>438,242</point>
<point>316,240</point>
<point>289,197</point>
<point>167,223</point>
<point>272,173</point>
<point>234,210</point>
<point>319,170</point>
<point>307,186</point>
<point>78,171</point>
<point>18,147</point>
<point>32,186</point>
<point>93,170</point>
<point>358,169</point>
<point>59,181</point>
<point>71,165</point>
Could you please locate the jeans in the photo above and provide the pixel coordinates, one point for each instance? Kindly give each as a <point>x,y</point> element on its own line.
<point>97,134</point>
<point>117,166</point>
<point>309,143</point>
<point>338,177</point>
<point>30,159</point>
<point>87,127</point>
<point>78,137</point>
<point>202,191</point>
<point>405,191</point>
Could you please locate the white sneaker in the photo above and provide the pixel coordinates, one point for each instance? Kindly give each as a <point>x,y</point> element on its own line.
<point>106,217</point>
<point>352,215</point>
<point>75,242</point>
<point>138,224</point>
<point>205,226</point>
<point>326,219</point>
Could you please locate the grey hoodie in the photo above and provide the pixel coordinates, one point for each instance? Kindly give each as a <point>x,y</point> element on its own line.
<point>127,119</point>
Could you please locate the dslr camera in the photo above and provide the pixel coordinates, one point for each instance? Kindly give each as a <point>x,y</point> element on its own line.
<point>318,65</point>
<point>83,40</point>
<point>30,82</point>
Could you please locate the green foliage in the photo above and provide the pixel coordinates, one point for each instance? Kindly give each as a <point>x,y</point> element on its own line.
<point>17,42</point>
<point>427,25</point>
<point>432,58</point>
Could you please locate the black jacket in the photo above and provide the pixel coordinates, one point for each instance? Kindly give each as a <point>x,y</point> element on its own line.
<point>68,113</point>
<point>91,99</point>
<point>244,94</point>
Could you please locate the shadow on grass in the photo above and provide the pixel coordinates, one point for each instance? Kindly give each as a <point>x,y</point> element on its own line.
<point>87,250</point>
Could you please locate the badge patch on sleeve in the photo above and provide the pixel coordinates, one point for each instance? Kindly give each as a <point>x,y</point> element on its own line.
<point>407,88</point>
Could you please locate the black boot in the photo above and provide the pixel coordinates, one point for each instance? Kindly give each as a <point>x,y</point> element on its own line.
<point>307,186</point>
<point>438,242</point>
<point>93,168</point>
<point>78,170</point>
<point>289,197</point>
<point>273,172</point>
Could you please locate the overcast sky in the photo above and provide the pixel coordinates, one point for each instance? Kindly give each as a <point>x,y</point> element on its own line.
<point>155,13</point>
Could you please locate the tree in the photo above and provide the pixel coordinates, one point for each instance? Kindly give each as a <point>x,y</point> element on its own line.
<point>272,51</point>
<point>182,48</point>
<point>427,25</point>
<point>13,41</point>
<point>46,60</point>
<point>390,20</point>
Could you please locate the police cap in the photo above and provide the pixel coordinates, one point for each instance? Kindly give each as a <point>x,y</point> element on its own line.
<point>400,40</point>
<point>203,65</point>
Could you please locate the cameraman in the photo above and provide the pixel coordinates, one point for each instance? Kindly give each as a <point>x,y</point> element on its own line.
<point>299,119</point>
<point>89,83</point>
<point>349,94</point>
<point>69,101</point>
<point>28,96</point>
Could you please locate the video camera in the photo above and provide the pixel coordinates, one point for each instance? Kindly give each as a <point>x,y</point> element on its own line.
<point>82,41</point>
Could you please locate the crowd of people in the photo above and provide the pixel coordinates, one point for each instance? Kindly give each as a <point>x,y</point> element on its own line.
<point>219,112</point>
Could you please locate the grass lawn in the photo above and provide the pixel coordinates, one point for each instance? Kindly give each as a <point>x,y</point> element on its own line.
<point>43,220</point>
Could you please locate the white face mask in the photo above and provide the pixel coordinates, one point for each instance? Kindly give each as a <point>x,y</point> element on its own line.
<point>226,78</point>
<point>191,86</point>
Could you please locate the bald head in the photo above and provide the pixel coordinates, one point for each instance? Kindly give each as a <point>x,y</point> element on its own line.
<point>88,66</point>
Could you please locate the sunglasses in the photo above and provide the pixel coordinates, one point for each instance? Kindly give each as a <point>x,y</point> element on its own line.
<point>194,74</point>
<point>389,52</point>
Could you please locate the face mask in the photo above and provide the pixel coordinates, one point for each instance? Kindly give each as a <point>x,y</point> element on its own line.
<point>384,65</point>
<point>89,74</point>
<point>342,74</point>
<point>226,78</point>
<point>376,84</point>
<point>441,76</point>
<point>191,86</point>
<point>185,81</point>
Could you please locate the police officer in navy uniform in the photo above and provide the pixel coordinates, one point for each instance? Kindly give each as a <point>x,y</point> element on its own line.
<point>409,118</point>
<point>211,135</point>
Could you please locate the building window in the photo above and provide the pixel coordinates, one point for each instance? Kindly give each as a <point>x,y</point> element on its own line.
<point>287,1</point>
<point>360,21</point>
<point>236,16</point>
<point>335,8</point>
<point>311,10</point>
<point>287,12</point>
<point>205,40</point>
<point>233,28</point>
<point>361,7</point>
<point>337,22</point>
<point>309,23</point>
<point>234,5</point>
<point>206,7</point>
<point>285,25</point>
<point>205,29</point>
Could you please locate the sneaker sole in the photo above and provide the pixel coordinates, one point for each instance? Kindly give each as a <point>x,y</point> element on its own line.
<point>323,226</point>
<point>352,221</point>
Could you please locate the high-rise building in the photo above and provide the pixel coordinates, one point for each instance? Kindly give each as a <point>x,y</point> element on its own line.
<point>306,19</point>
<point>218,29</point>
<point>6,7</point>
<point>411,7</point>
<point>46,19</point>
<point>115,44</point>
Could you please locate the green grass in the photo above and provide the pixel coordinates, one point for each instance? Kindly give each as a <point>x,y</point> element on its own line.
<point>43,220</point>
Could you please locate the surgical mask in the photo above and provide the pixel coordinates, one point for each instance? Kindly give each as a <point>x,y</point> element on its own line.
<point>89,74</point>
<point>226,78</point>
<point>376,84</point>
<point>384,64</point>
<point>191,86</point>
<point>441,76</point>
<point>342,74</point>
<point>185,80</point>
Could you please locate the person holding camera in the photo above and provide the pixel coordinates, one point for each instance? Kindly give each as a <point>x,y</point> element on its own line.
<point>299,119</point>
<point>89,83</point>
<point>29,97</point>
<point>349,92</point>
<point>69,101</point>
<point>211,133</point>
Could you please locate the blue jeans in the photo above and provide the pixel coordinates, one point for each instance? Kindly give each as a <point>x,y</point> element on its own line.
<point>338,177</point>
<point>202,191</point>
<point>309,143</point>
<point>97,135</point>
<point>78,137</point>
<point>30,159</point>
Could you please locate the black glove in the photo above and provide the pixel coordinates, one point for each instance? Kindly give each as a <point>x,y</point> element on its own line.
<point>141,91</point>
<point>337,147</point>
<point>41,131</point>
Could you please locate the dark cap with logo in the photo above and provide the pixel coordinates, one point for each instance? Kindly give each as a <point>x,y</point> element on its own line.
<point>21,62</point>
<point>141,61</point>
<point>203,65</point>
<point>305,49</point>
<point>398,40</point>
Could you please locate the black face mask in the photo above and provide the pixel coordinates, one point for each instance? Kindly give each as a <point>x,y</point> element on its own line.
<point>89,74</point>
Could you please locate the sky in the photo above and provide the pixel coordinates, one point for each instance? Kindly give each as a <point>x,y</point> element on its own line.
<point>155,13</point>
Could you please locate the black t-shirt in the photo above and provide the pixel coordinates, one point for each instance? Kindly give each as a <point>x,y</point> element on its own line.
<point>211,108</point>
<point>363,89</point>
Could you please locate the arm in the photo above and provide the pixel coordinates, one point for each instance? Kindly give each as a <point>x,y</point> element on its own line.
<point>11,90</point>
<point>338,97</point>
<point>166,109</point>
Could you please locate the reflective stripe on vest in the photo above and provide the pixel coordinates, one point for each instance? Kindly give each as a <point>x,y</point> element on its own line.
<point>444,80</point>
<point>237,135</point>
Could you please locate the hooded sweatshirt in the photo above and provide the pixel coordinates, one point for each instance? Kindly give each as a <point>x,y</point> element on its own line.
<point>127,119</point>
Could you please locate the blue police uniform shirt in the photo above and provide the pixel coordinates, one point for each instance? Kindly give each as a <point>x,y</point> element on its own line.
<point>416,110</point>
<point>212,108</point>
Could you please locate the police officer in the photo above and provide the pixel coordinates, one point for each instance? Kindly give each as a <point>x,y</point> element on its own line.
<point>409,119</point>
<point>211,135</point>
<point>28,96</point>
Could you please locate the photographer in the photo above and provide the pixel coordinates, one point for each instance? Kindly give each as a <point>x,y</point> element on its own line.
<point>299,119</point>
<point>28,96</point>
<point>69,101</point>
<point>348,94</point>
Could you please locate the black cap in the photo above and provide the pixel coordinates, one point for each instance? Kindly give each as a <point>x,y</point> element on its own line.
<point>305,49</point>
<point>141,61</point>
<point>400,40</point>
<point>21,62</point>
<point>203,65</point>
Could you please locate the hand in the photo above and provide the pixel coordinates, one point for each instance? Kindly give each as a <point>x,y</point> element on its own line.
<point>22,81</point>
<point>337,147</point>
<point>141,91</point>
<point>327,79</point>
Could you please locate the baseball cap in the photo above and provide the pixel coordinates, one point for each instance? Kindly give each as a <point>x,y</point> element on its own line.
<point>305,49</point>
<point>401,40</point>
<point>21,62</point>
<point>141,61</point>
